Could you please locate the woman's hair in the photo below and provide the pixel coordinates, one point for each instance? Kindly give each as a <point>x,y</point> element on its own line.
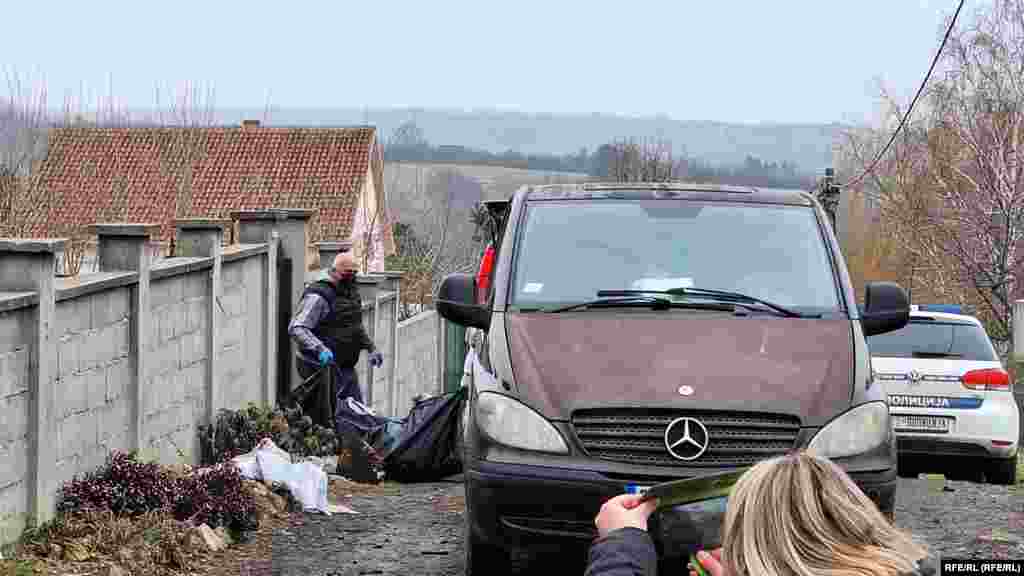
<point>801,515</point>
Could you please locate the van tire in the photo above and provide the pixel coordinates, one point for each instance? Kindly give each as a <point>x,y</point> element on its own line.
<point>1002,471</point>
<point>906,468</point>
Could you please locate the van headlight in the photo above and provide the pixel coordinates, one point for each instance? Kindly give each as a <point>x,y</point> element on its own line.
<point>856,431</point>
<point>512,423</point>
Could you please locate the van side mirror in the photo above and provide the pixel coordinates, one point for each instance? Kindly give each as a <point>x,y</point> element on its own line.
<point>456,302</point>
<point>886,308</point>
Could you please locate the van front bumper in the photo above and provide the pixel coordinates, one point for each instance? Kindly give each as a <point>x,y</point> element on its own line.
<point>546,508</point>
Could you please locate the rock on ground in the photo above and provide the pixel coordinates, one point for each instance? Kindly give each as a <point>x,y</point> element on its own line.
<point>417,529</point>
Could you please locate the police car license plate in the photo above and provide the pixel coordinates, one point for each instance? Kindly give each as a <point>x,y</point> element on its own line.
<point>909,422</point>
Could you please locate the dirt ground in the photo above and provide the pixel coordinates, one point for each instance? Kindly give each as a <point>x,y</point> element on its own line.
<point>418,529</point>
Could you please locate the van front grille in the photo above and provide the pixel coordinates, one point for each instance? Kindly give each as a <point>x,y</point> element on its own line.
<point>637,436</point>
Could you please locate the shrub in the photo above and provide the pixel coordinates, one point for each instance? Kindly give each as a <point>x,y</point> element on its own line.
<point>123,486</point>
<point>217,497</point>
<point>126,487</point>
<point>238,432</point>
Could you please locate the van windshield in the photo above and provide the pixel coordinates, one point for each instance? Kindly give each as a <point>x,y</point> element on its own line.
<point>570,250</point>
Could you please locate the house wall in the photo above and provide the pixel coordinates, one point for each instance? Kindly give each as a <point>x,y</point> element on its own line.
<point>364,221</point>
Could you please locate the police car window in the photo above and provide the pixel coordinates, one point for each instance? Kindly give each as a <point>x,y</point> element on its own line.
<point>930,338</point>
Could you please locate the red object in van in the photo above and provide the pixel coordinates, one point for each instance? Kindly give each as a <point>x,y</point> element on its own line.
<point>483,276</point>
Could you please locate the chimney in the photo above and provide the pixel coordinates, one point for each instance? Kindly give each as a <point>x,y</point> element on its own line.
<point>250,123</point>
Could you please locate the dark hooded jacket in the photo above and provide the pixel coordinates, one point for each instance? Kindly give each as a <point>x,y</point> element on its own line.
<point>631,552</point>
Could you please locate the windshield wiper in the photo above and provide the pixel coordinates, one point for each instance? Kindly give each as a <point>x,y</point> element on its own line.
<point>922,354</point>
<point>640,300</point>
<point>734,297</point>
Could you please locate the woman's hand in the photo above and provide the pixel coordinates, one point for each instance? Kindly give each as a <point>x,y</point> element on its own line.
<point>711,562</point>
<point>624,511</point>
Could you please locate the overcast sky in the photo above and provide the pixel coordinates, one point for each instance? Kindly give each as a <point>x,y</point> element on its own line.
<point>726,60</point>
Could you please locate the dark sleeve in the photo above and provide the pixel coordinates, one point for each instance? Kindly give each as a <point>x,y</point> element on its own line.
<point>625,552</point>
<point>312,310</point>
<point>365,342</point>
<point>927,566</point>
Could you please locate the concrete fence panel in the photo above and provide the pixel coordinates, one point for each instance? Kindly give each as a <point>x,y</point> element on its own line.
<point>17,317</point>
<point>418,367</point>
<point>93,334</point>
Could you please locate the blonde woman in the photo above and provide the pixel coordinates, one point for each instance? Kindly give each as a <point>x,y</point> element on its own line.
<point>794,515</point>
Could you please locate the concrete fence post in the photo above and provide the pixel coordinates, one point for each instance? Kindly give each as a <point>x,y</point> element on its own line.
<point>292,224</point>
<point>392,282</point>
<point>125,247</point>
<point>270,327</point>
<point>369,291</point>
<point>328,250</point>
<point>204,238</point>
<point>30,266</point>
<point>1017,357</point>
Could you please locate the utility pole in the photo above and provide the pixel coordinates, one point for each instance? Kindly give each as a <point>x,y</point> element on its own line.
<point>828,195</point>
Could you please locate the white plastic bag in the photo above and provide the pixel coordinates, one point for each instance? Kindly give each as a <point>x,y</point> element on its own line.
<point>306,481</point>
<point>248,466</point>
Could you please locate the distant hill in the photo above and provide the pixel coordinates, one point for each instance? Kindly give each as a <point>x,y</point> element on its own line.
<point>808,146</point>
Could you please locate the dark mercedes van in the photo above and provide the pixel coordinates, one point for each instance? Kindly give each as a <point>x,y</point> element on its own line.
<point>638,333</point>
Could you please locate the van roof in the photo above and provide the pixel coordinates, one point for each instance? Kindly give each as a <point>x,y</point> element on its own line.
<point>685,190</point>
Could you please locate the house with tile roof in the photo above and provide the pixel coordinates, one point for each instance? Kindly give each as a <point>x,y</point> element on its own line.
<point>159,174</point>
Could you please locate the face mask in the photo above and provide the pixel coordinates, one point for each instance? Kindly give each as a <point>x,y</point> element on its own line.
<point>346,277</point>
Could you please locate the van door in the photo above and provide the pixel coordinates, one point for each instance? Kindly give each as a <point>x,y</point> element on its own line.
<point>495,214</point>
<point>477,369</point>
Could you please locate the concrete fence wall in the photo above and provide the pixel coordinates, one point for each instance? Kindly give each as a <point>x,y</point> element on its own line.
<point>141,353</point>
<point>17,317</point>
<point>421,340</point>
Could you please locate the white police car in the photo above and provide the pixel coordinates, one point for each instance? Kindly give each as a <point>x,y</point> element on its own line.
<point>949,395</point>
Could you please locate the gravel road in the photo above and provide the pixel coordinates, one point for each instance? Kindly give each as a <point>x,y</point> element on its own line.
<point>417,529</point>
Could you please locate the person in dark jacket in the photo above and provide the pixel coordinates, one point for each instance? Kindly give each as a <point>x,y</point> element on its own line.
<point>798,514</point>
<point>328,329</point>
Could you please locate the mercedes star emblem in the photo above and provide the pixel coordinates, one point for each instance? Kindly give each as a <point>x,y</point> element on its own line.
<point>686,438</point>
<point>914,376</point>
<point>685,390</point>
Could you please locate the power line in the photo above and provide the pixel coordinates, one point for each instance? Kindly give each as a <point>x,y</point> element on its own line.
<point>920,90</point>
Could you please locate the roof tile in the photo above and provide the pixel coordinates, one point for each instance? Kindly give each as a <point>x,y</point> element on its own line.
<point>140,175</point>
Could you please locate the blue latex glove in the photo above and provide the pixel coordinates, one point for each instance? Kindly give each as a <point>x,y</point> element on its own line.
<point>326,357</point>
<point>376,359</point>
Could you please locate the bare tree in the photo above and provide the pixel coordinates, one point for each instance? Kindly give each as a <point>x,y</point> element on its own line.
<point>183,139</point>
<point>435,234</point>
<point>977,156</point>
<point>24,123</point>
<point>646,161</point>
<point>951,189</point>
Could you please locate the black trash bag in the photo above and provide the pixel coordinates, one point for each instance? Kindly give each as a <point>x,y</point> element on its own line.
<point>427,449</point>
<point>351,415</point>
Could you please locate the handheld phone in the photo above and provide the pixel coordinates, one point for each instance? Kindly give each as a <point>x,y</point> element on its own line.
<point>693,489</point>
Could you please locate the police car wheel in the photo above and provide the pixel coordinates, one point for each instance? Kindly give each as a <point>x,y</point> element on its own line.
<point>1002,471</point>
